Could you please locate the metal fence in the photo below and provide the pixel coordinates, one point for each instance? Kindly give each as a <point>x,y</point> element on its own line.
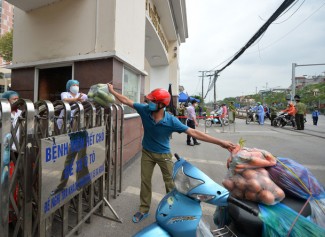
<point>21,177</point>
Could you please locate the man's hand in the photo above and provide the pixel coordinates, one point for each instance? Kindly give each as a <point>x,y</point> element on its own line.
<point>196,124</point>
<point>110,87</point>
<point>228,145</point>
<point>123,99</point>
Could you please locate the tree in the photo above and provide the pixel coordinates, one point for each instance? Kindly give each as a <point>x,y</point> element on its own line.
<point>6,46</point>
<point>313,95</point>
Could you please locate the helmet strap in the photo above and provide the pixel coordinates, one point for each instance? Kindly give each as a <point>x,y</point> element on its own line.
<point>161,106</point>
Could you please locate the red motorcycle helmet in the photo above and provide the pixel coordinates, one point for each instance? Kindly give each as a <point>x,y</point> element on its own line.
<point>159,96</point>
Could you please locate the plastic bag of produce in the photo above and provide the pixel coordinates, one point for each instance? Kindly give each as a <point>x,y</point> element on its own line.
<point>280,220</point>
<point>247,179</point>
<point>298,181</point>
<point>99,93</point>
<point>250,158</point>
<point>254,185</point>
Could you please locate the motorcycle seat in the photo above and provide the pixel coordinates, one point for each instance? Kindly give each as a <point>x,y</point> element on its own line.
<point>250,225</point>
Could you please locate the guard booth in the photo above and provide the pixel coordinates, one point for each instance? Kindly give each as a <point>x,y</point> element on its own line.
<point>60,164</point>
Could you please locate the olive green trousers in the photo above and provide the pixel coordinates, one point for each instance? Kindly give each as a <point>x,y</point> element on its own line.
<point>148,162</point>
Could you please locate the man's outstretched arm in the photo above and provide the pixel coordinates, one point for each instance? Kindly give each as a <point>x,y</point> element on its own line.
<point>123,99</point>
<point>204,137</point>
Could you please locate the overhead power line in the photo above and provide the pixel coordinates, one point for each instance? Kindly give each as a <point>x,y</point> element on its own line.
<point>275,15</point>
<point>261,31</point>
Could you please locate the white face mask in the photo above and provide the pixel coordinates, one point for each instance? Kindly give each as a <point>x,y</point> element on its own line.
<point>74,89</point>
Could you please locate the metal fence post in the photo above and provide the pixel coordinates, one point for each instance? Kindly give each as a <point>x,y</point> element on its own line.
<point>44,127</point>
<point>27,166</point>
<point>5,125</point>
<point>121,145</point>
<point>116,138</point>
<point>109,142</point>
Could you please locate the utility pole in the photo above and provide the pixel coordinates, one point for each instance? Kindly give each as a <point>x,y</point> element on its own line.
<point>214,89</point>
<point>202,82</point>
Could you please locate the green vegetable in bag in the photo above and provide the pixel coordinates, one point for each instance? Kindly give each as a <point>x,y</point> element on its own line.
<point>100,94</point>
<point>100,101</point>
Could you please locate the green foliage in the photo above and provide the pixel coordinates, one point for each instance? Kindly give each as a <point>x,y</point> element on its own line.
<point>278,97</point>
<point>228,100</point>
<point>6,46</point>
<point>312,95</point>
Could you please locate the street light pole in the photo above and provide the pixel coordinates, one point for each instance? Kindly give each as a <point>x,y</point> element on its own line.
<point>293,88</point>
<point>294,65</point>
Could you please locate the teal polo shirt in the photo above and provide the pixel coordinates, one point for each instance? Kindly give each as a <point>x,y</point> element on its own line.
<point>156,135</point>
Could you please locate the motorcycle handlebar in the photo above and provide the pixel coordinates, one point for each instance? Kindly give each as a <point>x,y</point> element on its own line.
<point>244,206</point>
<point>177,156</point>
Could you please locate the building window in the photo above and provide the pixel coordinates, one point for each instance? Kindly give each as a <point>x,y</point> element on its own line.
<point>131,89</point>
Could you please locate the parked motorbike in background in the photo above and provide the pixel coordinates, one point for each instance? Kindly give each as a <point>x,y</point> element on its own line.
<point>179,213</point>
<point>283,119</point>
<point>215,118</point>
<point>251,116</point>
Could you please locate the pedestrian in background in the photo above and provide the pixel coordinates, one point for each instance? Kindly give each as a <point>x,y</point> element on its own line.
<point>260,113</point>
<point>224,111</point>
<point>181,113</point>
<point>12,97</point>
<point>191,122</point>
<point>158,126</point>
<point>301,110</point>
<point>200,110</point>
<point>315,115</point>
<point>267,112</point>
<point>232,109</point>
<point>273,112</point>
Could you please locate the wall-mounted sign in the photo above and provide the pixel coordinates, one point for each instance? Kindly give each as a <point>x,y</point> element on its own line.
<point>68,163</point>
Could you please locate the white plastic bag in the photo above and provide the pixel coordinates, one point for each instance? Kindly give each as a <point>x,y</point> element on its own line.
<point>99,93</point>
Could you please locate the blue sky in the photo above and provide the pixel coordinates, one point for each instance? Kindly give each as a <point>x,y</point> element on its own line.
<point>218,29</point>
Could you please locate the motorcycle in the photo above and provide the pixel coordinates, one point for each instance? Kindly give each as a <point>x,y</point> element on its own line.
<point>216,119</point>
<point>179,213</point>
<point>283,119</point>
<point>251,116</point>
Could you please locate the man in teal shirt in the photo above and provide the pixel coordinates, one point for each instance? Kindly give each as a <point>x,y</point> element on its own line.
<point>158,126</point>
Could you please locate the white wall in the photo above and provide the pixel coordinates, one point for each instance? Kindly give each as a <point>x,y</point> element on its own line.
<point>64,29</point>
<point>147,79</point>
<point>159,77</point>
<point>173,56</point>
<point>130,31</point>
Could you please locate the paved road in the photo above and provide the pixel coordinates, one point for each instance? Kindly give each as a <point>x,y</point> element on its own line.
<point>306,147</point>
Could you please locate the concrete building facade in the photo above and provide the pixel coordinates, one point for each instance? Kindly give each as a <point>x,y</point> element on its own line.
<point>303,81</point>
<point>132,43</point>
<point>6,25</point>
